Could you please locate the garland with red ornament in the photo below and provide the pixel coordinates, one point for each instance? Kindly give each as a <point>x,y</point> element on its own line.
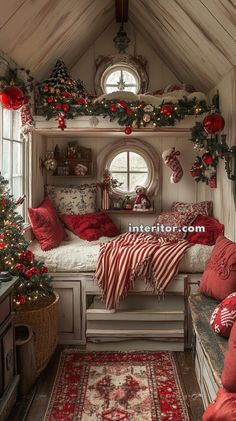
<point>15,95</point>
<point>205,139</point>
<point>33,279</point>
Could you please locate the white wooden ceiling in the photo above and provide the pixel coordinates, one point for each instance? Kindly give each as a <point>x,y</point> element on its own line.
<point>195,38</point>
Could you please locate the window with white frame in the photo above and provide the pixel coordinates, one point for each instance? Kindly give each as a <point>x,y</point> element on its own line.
<point>131,168</point>
<point>120,78</point>
<point>12,163</point>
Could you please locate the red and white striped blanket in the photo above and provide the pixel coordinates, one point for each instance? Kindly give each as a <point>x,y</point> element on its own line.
<point>131,255</point>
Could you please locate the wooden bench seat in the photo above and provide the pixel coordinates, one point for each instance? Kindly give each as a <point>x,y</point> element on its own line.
<point>209,348</point>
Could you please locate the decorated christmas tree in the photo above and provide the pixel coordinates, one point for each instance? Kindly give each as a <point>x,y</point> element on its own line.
<point>34,281</point>
<point>59,93</point>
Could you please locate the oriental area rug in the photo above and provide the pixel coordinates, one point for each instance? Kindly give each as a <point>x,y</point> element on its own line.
<point>116,387</point>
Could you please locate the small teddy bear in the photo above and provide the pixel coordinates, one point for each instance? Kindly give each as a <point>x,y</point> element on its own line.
<point>141,201</point>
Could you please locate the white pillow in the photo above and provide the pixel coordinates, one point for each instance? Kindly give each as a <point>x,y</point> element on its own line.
<point>73,200</point>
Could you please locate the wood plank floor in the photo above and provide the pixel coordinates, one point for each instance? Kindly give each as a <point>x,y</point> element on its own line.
<point>33,406</point>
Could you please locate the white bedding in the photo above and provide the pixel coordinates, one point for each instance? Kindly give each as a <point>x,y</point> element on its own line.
<point>76,255</point>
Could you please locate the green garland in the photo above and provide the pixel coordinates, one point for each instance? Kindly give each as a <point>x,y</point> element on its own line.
<point>204,167</point>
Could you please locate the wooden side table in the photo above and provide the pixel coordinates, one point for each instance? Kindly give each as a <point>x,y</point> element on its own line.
<point>8,377</point>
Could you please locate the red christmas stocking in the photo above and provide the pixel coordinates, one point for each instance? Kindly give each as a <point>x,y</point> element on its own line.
<point>170,159</point>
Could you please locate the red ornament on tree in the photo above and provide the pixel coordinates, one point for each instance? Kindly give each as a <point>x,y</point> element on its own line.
<point>65,107</point>
<point>58,106</point>
<point>129,111</point>
<point>122,104</point>
<point>20,267</point>
<point>12,97</point>
<point>207,158</point>
<point>44,269</point>
<point>213,123</point>
<point>113,108</point>
<point>167,109</point>
<point>2,246</point>
<point>20,299</point>
<point>81,101</point>
<point>50,99</point>
<point>128,130</point>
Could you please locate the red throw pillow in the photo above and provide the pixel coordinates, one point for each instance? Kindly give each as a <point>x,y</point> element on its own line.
<point>224,316</point>
<point>228,376</point>
<point>223,409</point>
<point>219,277</point>
<point>168,220</point>
<point>212,230</point>
<point>91,226</point>
<point>46,226</point>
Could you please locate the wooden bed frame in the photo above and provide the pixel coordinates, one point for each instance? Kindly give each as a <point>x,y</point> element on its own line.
<point>142,321</point>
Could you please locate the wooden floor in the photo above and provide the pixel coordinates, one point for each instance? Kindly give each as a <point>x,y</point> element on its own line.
<point>33,407</point>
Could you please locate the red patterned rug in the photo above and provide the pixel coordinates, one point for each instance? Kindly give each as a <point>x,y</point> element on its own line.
<point>116,387</point>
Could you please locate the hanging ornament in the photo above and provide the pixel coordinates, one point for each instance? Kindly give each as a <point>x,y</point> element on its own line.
<point>213,123</point>
<point>20,299</point>
<point>61,121</point>
<point>12,97</point>
<point>207,158</point>
<point>27,121</point>
<point>113,108</point>
<point>146,118</point>
<point>128,130</point>
<point>167,109</point>
<point>170,159</point>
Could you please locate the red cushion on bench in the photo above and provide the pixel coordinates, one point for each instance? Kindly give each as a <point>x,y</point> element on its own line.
<point>228,377</point>
<point>223,409</point>
<point>224,316</point>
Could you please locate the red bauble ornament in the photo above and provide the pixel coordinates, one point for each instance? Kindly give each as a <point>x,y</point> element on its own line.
<point>2,246</point>
<point>58,106</point>
<point>65,107</point>
<point>20,267</point>
<point>20,299</point>
<point>213,123</point>
<point>128,130</point>
<point>34,270</point>
<point>27,255</point>
<point>195,173</point>
<point>167,109</point>
<point>50,99</point>
<point>3,203</point>
<point>207,158</point>
<point>129,111</point>
<point>12,97</point>
<point>28,274</point>
<point>113,108</point>
<point>44,269</point>
<point>81,101</point>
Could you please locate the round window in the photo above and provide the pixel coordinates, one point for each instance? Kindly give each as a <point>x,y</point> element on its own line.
<point>120,78</point>
<point>130,168</point>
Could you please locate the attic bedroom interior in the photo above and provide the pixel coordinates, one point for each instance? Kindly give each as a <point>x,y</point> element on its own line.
<point>117,210</point>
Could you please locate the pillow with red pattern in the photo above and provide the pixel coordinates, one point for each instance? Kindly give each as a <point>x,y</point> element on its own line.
<point>91,226</point>
<point>212,230</point>
<point>46,226</point>
<point>173,87</point>
<point>224,316</point>
<point>169,225</point>
<point>201,208</point>
<point>228,376</point>
<point>223,408</point>
<point>219,277</point>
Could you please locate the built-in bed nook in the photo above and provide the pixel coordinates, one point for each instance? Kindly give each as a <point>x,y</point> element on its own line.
<point>117,210</point>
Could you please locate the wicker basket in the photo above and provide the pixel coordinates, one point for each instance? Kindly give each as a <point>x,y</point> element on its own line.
<point>43,317</point>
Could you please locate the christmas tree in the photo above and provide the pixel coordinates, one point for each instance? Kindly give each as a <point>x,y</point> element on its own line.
<point>34,281</point>
<point>60,93</point>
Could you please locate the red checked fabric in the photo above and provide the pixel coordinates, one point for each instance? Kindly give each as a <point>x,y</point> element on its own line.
<point>219,277</point>
<point>223,409</point>
<point>200,208</point>
<point>228,377</point>
<point>224,316</point>
<point>173,219</point>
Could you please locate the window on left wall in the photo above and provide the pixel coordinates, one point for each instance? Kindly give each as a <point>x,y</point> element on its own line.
<point>13,155</point>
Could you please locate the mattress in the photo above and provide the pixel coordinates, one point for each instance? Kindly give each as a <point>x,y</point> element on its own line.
<point>77,255</point>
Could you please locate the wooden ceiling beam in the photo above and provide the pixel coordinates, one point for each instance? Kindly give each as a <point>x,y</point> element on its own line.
<point>122,10</point>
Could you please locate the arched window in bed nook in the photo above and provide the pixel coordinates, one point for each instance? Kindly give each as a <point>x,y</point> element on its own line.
<point>132,162</point>
<point>120,77</point>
